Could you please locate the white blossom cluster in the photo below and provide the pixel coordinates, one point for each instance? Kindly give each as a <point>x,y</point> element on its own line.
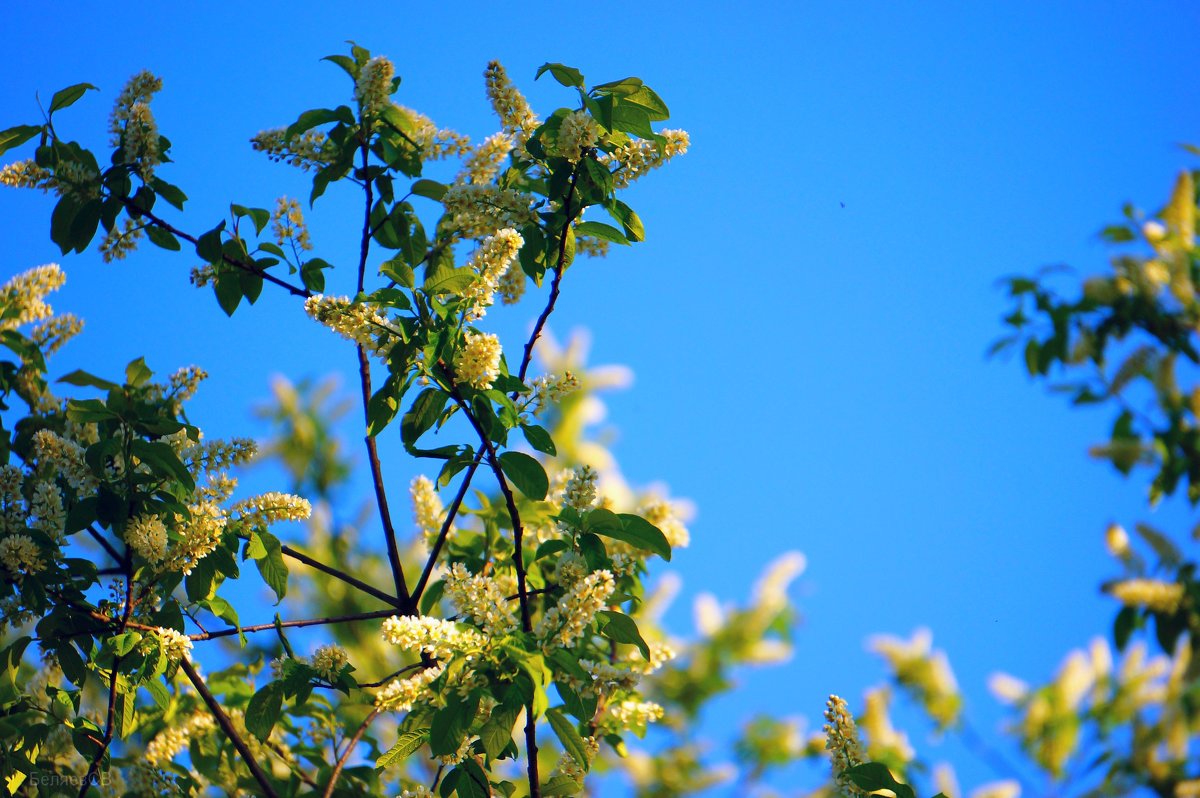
<point>1151,594</point>
<point>354,322</point>
<point>433,636</point>
<point>401,694</point>
<point>308,150</point>
<point>477,362</point>
<point>550,389</point>
<point>491,261</point>
<point>516,117</point>
<point>132,124</point>
<point>373,88</point>
<point>640,156</point>
<point>563,624</point>
<point>478,210</point>
<point>577,133</point>
<point>483,163</point>
<point>480,600</point>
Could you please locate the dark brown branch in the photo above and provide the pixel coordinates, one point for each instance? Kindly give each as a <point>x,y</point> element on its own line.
<point>444,532</point>
<point>341,763</point>
<point>339,574</point>
<point>227,726</point>
<point>364,376</point>
<point>109,726</point>
<point>98,536</point>
<point>264,627</point>
<point>252,268</point>
<point>527,358</point>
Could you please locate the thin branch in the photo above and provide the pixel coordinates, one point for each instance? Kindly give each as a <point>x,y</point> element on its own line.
<point>98,536</point>
<point>339,574</point>
<point>527,358</point>
<point>264,627</point>
<point>159,222</point>
<point>227,726</point>
<point>109,726</point>
<point>341,763</point>
<point>364,376</point>
<point>444,532</point>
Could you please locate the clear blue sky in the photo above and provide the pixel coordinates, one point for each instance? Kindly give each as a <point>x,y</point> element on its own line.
<point>808,318</point>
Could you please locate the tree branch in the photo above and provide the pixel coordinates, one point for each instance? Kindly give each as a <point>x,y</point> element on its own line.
<point>364,376</point>
<point>158,221</point>
<point>341,763</point>
<point>264,627</point>
<point>375,592</point>
<point>227,726</point>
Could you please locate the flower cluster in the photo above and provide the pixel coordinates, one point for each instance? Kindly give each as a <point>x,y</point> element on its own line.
<point>565,623</point>
<point>432,636</point>
<point>578,133</point>
<point>479,600</point>
<point>374,85</point>
<point>549,390</point>
<point>434,143</point>
<point>630,714</point>
<point>1151,594</point>
<point>483,164</point>
<point>640,156</point>
<point>925,673</point>
<point>308,150</point>
<point>287,223</point>
<point>479,210</point>
<point>120,241</point>
<point>491,261</point>
<point>478,361</point>
<point>20,556</point>
<point>354,322</point>
<point>23,296</point>
<point>428,512</point>
<point>401,694</point>
<point>516,117</point>
<point>841,740</point>
<point>580,490</point>
<point>328,661</point>
<point>174,644</point>
<point>270,507</point>
<point>132,124</point>
<point>147,535</point>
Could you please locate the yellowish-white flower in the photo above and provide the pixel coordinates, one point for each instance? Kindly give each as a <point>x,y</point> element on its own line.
<point>491,261</point>
<point>175,645</point>
<point>510,105</point>
<point>400,694</point>
<point>480,600</point>
<point>564,623</point>
<point>478,361</point>
<point>842,742</point>
<point>1151,594</point>
<point>640,156</point>
<point>271,507</point>
<point>484,162</point>
<point>434,636</point>
<point>354,322</point>
<point>374,85</point>
<point>20,555</point>
<point>328,661</point>
<point>147,535</point>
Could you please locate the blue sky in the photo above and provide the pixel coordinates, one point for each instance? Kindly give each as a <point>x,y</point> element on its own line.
<point>808,318</point>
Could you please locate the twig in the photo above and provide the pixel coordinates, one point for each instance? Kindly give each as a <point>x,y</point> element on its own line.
<point>341,763</point>
<point>109,726</point>
<point>364,376</point>
<point>157,221</point>
<point>98,536</point>
<point>339,574</point>
<point>227,726</point>
<point>264,627</point>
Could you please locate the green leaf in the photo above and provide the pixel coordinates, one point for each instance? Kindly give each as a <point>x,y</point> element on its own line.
<point>539,439</point>
<point>382,408</point>
<point>229,291</point>
<point>272,567</point>
<point>85,380</point>
<point>656,109</point>
<point>423,414</point>
<point>170,193</point>
<point>561,785</point>
<point>64,97</point>
<point>62,221</point>
<point>632,119</point>
<point>497,733</point>
<point>472,782</point>
<point>16,136</point>
<point>526,473</point>
<point>263,711</point>
<point>429,188</point>
<point>83,226</point>
<point>158,691</point>
<point>310,119</point>
<point>137,373</point>
<point>567,76</point>
<point>163,459</point>
<point>630,528</point>
<point>405,746</point>
<point>208,246</point>
<point>260,216</point>
<point>450,723</point>
<point>449,281</point>
<point>872,776</point>
<point>602,231</point>
<point>568,735</point>
<point>623,629</point>
<point>621,88</point>
<point>634,229</point>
